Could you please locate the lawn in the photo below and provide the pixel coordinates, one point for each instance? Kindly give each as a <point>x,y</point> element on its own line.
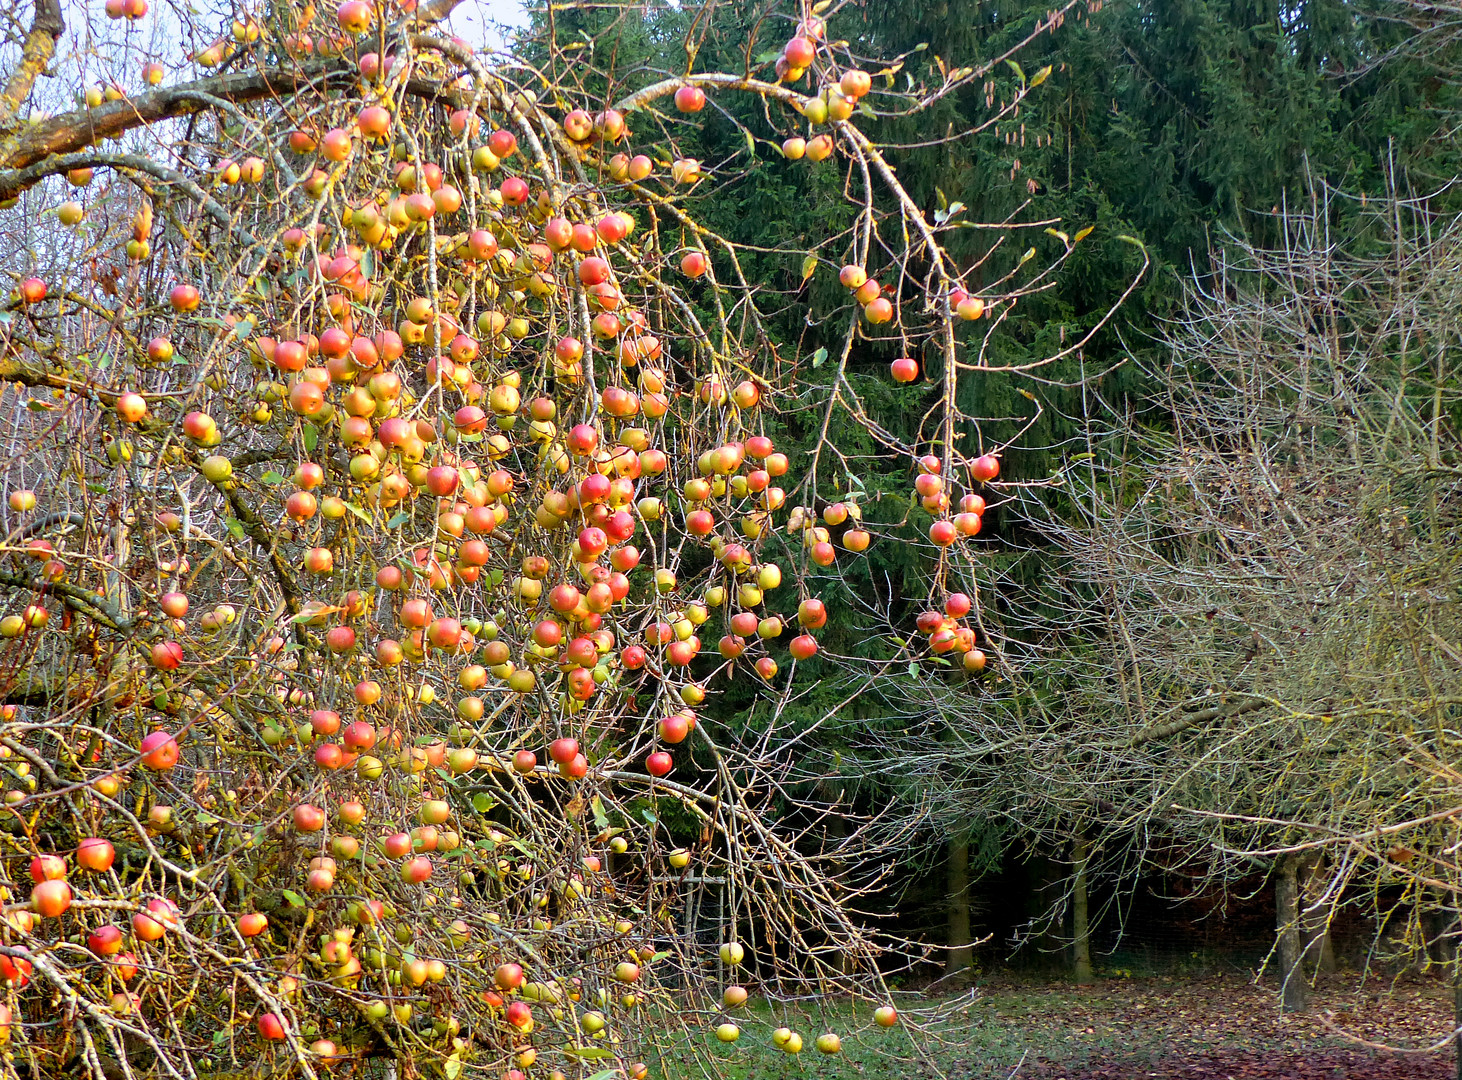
<point>1120,1028</point>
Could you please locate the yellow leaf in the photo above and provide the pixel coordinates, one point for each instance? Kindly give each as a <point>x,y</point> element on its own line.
<point>1041,76</point>
<point>809,267</point>
<point>821,6</point>
<point>1082,234</point>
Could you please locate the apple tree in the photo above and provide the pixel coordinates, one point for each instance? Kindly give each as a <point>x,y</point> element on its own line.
<point>384,433</point>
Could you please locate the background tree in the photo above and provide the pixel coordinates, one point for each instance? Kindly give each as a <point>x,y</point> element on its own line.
<point>1246,662</point>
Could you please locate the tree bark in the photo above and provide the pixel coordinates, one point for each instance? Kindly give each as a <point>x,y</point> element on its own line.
<point>1294,991</point>
<point>1319,947</point>
<point>1457,1013</point>
<point>40,45</point>
<point>960,957</point>
<point>84,127</point>
<point>1080,913</point>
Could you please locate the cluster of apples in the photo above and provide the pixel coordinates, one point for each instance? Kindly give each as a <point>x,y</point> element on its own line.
<point>947,635</point>
<point>932,488</point>
<point>374,952</point>
<point>131,10</point>
<point>836,100</point>
<point>877,308</point>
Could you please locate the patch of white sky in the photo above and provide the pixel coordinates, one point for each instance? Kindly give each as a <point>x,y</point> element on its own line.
<point>488,24</point>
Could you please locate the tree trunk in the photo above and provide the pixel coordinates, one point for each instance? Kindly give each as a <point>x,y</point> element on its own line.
<point>1457,1014</point>
<point>837,832</point>
<point>1319,947</point>
<point>961,955</point>
<point>1294,991</point>
<point>1080,913</point>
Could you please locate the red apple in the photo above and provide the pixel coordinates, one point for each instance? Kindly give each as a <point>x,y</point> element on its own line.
<point>159,751</point>
<point>51,898</point>
<point>184,298</point>
<point>308,819</point>
<point>271,1026</point>
<point>95,854</point>
<point>985,468</point>
<point>105,940</point>
<point>47,868</point>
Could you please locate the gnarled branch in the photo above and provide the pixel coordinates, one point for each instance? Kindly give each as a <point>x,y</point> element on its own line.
<point>40,45</point>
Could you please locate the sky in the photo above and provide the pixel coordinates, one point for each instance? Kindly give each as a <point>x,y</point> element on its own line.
<point>477,21</point>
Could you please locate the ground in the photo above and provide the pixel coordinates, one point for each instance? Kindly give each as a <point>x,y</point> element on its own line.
<point>1120,1029</point>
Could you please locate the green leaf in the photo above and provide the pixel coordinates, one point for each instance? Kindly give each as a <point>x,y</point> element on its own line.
<point>398,519</point>
<point>220,1036</point>
<point>271,477</point>
<point>604,1074</point>
<point>592,1053</point>
<point>658,957</point>
<point>809,266</point>
<point>312,437</point>
<point>649,816</point>
<point>358,512</point>
<point>453,1066</point>
<point>482,802</point>
<point>294,898</point>
<point>235,527</point>
<point>601,819</point>
<point>750,142</point>
<point>913,669</point>
<point>1019,71</point>
<point>768,57</point>
<point>819,358</point>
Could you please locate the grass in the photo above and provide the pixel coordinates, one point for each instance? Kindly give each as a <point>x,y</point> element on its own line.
<point>1009,1025</point>
<point>988,1036</point>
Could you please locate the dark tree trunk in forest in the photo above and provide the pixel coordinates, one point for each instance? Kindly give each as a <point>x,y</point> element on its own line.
<point>1294,991</point>
<point>1457,1013</point>
<point>1080,913</point>
<point>1319,946</point>
<point>961,956</point>
<point>837,832</point>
